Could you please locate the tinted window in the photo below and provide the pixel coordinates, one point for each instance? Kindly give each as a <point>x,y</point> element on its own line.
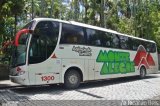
<point>43,41</point>
<point>72,34</point>
<point>146,45</point>
<point>151,47</point>
<point>135,44</point>
<point>93,37</point>
<point>19,52</point>
<point>37,49</point>
<point>124,42</point>
<point>106,39</point>
<point>115,41</point>
<point>100,38</point>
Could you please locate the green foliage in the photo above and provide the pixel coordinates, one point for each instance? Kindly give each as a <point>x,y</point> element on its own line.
<point>126,28</point>
<point>141,18</point>
<point>9,10</point>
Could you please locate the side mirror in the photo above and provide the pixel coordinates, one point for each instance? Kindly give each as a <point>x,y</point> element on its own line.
<point>23,31</point>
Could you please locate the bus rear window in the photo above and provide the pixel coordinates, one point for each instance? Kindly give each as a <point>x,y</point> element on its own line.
<point>151,47</point>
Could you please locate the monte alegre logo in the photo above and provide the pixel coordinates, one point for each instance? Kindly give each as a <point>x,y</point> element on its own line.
<point>143,58</point>
<point>115,62</point>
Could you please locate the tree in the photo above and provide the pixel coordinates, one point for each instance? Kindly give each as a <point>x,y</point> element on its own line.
<point>9,9</point>
<point>140,18</point>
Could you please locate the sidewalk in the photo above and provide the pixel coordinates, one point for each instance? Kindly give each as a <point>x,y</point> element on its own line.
<point>7,84</point>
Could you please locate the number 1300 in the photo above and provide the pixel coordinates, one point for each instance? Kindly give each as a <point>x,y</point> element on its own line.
<point>47,78</point>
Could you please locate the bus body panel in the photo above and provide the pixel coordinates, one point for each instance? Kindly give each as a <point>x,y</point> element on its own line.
<point>46,72</point>
<point>71,58</point>
<point>20,75</point>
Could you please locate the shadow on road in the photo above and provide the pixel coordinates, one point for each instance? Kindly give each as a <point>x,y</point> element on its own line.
<point>4,85</point>
<point>113,81</point>
<point>58,89</point>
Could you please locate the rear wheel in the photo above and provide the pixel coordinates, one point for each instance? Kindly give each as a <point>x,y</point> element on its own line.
<point>142,72</point>
<point>72,79</point>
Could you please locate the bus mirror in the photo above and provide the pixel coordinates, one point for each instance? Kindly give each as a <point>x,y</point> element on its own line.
<point>23,31</point>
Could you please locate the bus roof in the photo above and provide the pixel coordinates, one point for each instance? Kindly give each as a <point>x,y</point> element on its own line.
<point>90,26</point>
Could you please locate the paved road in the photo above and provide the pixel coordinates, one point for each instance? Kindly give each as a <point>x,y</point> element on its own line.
<point>96,93</point>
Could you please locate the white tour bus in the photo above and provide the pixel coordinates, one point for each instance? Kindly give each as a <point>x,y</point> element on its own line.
<point>50,51</point>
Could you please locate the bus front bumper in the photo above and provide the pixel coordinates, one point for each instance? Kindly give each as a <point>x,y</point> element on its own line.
<point>19,79</point>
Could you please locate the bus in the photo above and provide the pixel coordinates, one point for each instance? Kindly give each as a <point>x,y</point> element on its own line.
<point>53,51</point>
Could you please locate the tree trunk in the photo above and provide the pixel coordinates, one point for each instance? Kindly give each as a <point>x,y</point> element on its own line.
<point>32,10</point>
<point>76,10</point>
<point>102,13</point>
<point>15,23</point>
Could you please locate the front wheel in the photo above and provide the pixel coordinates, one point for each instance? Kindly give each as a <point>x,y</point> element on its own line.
<point>142,72</point>
<point>72,79</point>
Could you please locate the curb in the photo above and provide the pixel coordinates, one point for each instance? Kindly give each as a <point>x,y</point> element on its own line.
<point>5,84</point>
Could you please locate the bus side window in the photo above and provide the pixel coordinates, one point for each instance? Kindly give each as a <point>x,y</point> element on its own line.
<point>148,47</point>
<point>135,44</point>
<point>72,39</point>
<point>72,34</point>
<point>151,47</point>
<point>93,37</point>
<point>115,41</point>
<point>106,39</point>
<point>124,42</point>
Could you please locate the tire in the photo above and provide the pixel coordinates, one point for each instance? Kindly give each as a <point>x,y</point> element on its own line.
<point>72,79</point>
<point>142,72</point>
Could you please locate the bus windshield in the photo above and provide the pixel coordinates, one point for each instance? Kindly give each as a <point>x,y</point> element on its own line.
<point>43,41</point>
<point>19,52</point>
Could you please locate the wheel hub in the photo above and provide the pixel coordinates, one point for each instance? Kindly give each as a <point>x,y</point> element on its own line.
<point>73,79</point>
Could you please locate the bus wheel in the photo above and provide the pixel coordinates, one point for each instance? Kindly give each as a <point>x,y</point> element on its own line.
<point>72,79</point>
<point>142,72</point>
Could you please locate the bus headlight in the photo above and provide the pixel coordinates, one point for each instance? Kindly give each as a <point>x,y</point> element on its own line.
<point>21,73</point>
